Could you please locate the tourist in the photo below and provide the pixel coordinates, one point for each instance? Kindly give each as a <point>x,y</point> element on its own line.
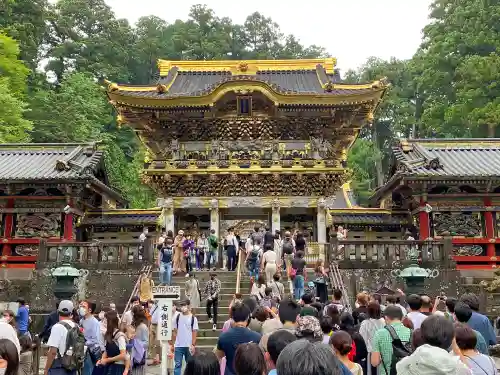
<point>426,307</point>
<point>360,355</point>
<point>479,363</point>
<point>382,353</point>
<point>249,360</point>
<point>433,357</point>
<point>142,239</point>
<point>238,334</point>
<point>256,237</point>
<point>320,281</point>
<point>288,312</point>
<point>278,290</point>
<point>479,322</point>
<point>140,323</point>
<point>145,289</point>
<point>308,310</point>
<point>288,250</point>
<point>302,357</point>
<point>300,243</point>
<point>258,288</point>
<point>367,330</point>
<point>10,318</point>
<point>8,332</point>
<point>342,345</point>
<point>336,302</point>
<point>278,249</point>
<point>154,343</point>
<point>115,346</point>
<point>308,328</point>
<point>232,246</point>
<point>9,357</point>
<point>58,340</point>
<point>22,317</point>
<point>415,304</point>
<point>298,272</point>
<point>189,253</point>
<point>165,260</point>
<point>259,316</point>
<point>361,306</point>
<point>192,291</point>
<point>326,324</point>
<point>128,315</point>
<point>178,251</point>
<point>212,290</point>
<point>269,263</point>
<point>275,344</point>
<point>51,319</point>
<point>213,245</point>
<point>267,300</point>
<point>395,301</point>
<point>201,251</point>
<point>377,298</point>
<point>462,314</point>
<point>252,259</point>
<point>203,363</point>
<point>268,240</point>
<point>184,334</point>
<point>26,356</point>
<point>91,331</point>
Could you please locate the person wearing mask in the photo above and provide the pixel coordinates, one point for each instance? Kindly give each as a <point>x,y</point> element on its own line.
<point>477,321</point>
<point>277,341</point>
<point>178,252</point>
<point>382,353</point>
<point>212,290</point>
<point>302,357</point>
<point>203,363</point>
<point>140,324</point>
<point>10,318</point>
<point>9,357</point>
<point>115,346</point>
<point>201,251</point>
<point>91,331</point>
<point>433,356</point>
<point>229,341</point>
<point>9,333</point>
<point>368,329</point>
<point>478,363</point>
<point>462,314</point>
<point>415,304</point>
<point>298,272</point>
<point>22,317</point>
<point>342,345</point>
<point>192,290</point>
<point>249,360</point>
<point>57,340</point>
<point>165,262</point>
<point>129,316</point>
<point>184,335</point>
<point>233,246</point>
<point>213,246</point>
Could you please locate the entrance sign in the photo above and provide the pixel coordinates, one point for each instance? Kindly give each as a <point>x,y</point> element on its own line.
<point>164,297</point>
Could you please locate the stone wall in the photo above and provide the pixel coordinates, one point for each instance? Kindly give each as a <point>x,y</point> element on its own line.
<point>102,286</point>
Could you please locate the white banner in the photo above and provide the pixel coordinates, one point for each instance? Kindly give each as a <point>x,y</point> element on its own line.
<point>165,319</point>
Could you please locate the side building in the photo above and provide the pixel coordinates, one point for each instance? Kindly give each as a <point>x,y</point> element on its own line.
<point>245,143</point>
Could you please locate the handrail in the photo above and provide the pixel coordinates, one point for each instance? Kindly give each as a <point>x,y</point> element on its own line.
<point>145,269</point>
<point>238,271</point>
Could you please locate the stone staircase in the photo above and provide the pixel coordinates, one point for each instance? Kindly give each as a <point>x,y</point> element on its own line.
<point>207,338</point>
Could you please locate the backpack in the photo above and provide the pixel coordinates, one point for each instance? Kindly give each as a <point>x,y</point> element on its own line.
<point>400,350</point>
<point>254,254</point>
<point>179,317</point>
<point>72,359</point>
<point>287,246</point>
<point>266,302</point>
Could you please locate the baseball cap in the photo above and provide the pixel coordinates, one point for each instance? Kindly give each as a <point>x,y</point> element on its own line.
<point>65,306</point>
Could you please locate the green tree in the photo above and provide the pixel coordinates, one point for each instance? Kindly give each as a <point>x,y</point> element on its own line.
<point>13,126</point>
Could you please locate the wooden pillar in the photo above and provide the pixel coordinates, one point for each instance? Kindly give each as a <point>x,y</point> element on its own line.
<point>8,227</point>
<point>424,221</point>
<point>489,227</point>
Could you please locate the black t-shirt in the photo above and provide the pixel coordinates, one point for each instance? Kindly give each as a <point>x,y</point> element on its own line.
<point>229,341</point>
<point>268,239</point>
<point>299,264</point>
<point>300,244</point>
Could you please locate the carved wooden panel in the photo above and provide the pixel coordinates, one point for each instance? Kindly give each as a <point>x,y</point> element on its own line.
<point>466,224</point>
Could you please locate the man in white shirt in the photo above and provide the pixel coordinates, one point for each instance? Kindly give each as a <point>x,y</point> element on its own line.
<point>415,303</point>
<point>128,316</point>
<point>9,333</point>
<point>184,335</point>
<point>57,340</point>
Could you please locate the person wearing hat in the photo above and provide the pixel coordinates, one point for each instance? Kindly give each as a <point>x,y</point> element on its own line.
<point>178,251</point>
<point>308,328</point>
<point>57,340</point>
<point>184,335</point>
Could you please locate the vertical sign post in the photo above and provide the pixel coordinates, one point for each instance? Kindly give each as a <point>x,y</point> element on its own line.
<point>164,297</point>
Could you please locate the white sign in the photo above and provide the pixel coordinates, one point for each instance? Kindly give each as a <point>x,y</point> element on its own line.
<point>165,319</point>
<point>167,291</point>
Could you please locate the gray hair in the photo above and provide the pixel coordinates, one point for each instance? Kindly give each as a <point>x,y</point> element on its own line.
<point>308,358</point>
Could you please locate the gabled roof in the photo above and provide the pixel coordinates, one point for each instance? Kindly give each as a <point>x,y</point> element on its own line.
<point>57,162</point>
<point>122,217</point>
<point>280,79</point>
<point>448,157</point>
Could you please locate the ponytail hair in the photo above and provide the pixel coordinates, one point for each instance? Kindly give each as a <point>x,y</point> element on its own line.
<point>341,342</point>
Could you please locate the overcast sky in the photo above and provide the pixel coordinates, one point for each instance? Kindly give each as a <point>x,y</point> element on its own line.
<point>350,30</point>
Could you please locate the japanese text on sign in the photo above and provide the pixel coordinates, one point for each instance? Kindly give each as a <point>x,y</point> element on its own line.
<point>165,319</point>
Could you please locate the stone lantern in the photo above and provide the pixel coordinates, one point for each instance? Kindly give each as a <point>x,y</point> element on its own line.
<point>65,276</point>
<point>414,275</point>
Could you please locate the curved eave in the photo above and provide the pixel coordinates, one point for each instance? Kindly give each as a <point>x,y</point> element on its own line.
<point>120,95</point>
